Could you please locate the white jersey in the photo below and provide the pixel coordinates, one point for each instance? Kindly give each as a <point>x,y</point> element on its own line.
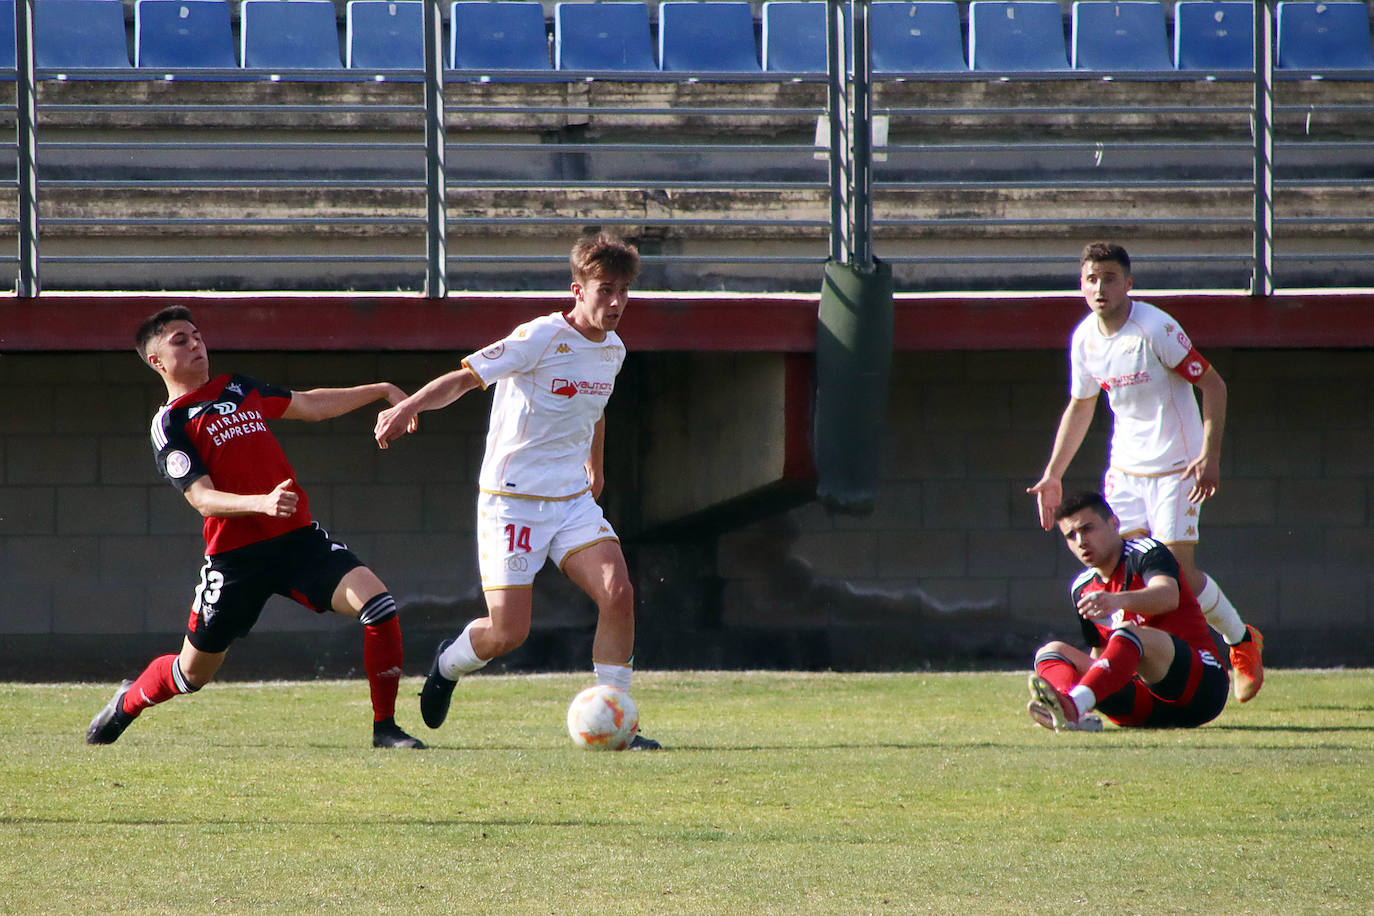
<point>552,385</point>
<point>1158,427</point>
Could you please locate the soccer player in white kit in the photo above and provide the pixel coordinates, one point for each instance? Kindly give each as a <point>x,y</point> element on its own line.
<point>542,473</point>
<point>1165,454</point>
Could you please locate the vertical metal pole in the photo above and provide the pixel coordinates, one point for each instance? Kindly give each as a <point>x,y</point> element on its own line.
<point>838,112</point>
<point>436,183</point>
<point>861,139</point>
<point>26,118</point>
<point>1262,276</point>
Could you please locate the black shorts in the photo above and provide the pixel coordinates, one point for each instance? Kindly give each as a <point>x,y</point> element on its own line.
<point>1192,692</point>
<point>305,565</point>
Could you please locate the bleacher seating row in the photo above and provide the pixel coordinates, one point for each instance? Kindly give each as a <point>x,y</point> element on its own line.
<point>693,36</point>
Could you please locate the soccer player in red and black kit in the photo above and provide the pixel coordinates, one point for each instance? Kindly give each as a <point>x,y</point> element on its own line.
<point>211,441</point>
<point>1152,662</point>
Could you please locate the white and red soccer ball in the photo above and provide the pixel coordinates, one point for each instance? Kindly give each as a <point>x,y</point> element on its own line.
<point>603,718</point>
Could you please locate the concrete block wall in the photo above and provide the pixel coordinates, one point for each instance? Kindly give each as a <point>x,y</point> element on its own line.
<point>954,552</point>
<point>99,556</point>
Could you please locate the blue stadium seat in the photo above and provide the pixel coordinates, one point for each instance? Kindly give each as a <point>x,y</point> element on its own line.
<point>7,38</point>
<point>1323,36</point>
<point>794,36</point>
<point>78,33</point>
<point>1016,35</point>
<point>919,37</point>
<point>706,37</point>
<point>385,35</point>
<point>289,35</point>
<point>174,34</point>
<point>501,35</point>
<point>1214,35</point>
<point>602,36</point>
<point>1119,36</point>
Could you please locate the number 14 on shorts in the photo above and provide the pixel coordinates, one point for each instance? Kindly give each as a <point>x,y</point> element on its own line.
<point>517,538</point>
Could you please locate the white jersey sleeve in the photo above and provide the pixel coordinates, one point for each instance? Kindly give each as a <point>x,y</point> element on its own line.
<point>552,385</point>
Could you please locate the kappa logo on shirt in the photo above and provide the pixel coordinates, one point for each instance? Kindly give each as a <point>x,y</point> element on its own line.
<point>563,348</point>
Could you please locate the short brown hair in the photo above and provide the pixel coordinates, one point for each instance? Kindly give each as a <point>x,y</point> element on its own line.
<point>154,325</point>
<point>604,255</point>
<point>1106,251</point>
<point>1077,502</point>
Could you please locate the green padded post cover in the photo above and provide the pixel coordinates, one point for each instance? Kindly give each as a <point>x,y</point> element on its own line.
<point>853,374</point>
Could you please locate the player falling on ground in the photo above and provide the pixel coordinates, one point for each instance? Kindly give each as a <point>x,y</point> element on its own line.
<point>1151,664</point>
<point>212,442</point>
<point>1165,455</point>
<point>542,473</point>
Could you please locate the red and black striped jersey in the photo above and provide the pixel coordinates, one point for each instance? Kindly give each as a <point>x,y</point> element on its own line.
<point>1141,560</point>
<point>220,430</point>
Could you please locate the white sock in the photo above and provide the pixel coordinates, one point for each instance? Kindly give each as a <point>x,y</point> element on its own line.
<point>614,675</point>
<point>1084,699</point>
<point>459,658</point>
<point>1220,612</point>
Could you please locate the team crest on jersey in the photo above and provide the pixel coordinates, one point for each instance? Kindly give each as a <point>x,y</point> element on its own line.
<point>178,464</point>
<point>494,351</point>
<point>608,354</point>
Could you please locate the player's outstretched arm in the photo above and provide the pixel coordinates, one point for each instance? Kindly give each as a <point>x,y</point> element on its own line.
<point>1073,427</point>
<point>401,417</point>
<point>1205,469</point>
<point>210,502</point>
<point>327,403</point>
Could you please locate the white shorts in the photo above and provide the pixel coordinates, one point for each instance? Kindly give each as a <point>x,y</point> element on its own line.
<point>515,536</point>
<point>1157,506</point>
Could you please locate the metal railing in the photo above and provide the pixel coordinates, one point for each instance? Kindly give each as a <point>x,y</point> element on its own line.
<point>431,176</point>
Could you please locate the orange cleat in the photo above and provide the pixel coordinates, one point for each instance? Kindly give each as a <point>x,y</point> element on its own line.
<point>1247,671</point>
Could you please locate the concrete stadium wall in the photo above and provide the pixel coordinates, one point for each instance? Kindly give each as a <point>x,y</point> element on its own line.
<point>99,556</point>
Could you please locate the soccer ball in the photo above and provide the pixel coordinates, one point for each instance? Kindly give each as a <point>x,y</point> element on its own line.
<point>603,718</point>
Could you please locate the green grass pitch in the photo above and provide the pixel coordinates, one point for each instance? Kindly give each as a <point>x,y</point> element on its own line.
<point>778,793</point>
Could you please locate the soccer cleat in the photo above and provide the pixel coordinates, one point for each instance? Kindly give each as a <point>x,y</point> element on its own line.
<point>641,743</point>
<point>1247,670</point>
<point>111,721</point>
<point>387,733</point>
<point>437,692</point>
<point>1051,709</point>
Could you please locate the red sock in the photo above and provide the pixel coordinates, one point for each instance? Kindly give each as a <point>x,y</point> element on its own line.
<point>1056,669</point>
<point>1116,665</point>
<point>156,684</point>
<point>382,660</point>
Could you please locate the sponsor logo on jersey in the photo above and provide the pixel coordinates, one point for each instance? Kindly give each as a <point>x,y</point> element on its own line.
<point>224,408</point>
<point>178,464</point>
<point>1125,381</point>
<point>494,351</point>
<point>568,387</point>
